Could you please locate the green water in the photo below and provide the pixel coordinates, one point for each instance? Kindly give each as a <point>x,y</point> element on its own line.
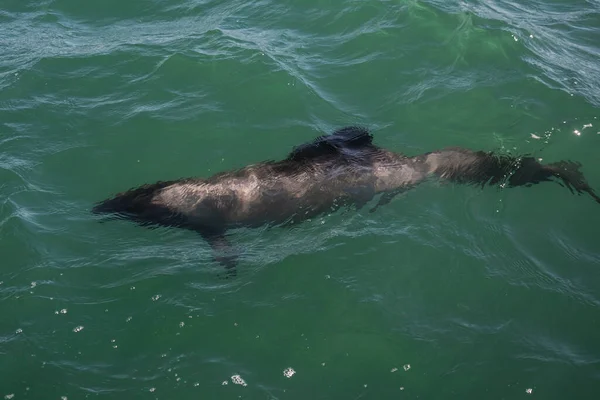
<point>449,292</point>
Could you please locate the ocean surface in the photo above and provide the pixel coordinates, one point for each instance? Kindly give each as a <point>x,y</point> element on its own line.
<point>448,292</point>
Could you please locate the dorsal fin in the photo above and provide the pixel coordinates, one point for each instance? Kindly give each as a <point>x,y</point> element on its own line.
<point>348,137</point>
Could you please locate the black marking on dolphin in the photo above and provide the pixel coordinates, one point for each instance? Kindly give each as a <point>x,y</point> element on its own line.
<point>344,168</point>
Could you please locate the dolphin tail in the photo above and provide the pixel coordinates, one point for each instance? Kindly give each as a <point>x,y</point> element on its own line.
<point>466,166</point>
<point>572,177</point>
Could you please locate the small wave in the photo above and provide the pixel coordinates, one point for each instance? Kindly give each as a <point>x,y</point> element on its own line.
<point>544,348</point>
<point>561,38</point>
<point>536,271</point>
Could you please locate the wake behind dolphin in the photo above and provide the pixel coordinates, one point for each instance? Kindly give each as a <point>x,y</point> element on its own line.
<point>341,169</point>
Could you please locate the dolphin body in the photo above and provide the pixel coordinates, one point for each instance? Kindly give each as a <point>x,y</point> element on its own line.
<point>344,168</point>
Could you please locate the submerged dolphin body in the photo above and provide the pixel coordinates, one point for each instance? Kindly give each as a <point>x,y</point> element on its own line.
<point>341,169</point>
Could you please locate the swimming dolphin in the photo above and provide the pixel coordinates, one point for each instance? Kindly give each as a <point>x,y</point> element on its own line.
<point>344,168</point>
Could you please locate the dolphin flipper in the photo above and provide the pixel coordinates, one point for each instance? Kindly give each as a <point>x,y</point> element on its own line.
<point>223,251</point>
<point>386,198</point>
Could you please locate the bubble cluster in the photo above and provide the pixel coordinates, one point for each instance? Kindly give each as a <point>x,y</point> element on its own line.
<point>238,380</point>
<point>288,372</point>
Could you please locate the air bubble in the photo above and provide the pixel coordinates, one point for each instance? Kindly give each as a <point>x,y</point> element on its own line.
<point>238,380</point>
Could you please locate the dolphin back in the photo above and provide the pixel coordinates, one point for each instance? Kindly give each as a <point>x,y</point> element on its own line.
<point>337,143</point>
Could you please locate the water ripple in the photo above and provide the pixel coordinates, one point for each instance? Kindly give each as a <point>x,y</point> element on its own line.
<point>562,39</point>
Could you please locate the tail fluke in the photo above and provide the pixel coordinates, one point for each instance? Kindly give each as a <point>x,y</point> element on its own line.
<point>572,177</point>
<point>466,166</point>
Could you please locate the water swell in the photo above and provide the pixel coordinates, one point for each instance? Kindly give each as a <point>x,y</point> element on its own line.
<point>562,40</point>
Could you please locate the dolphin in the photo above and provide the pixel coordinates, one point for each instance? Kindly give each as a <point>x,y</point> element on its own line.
<point>342,169</point>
